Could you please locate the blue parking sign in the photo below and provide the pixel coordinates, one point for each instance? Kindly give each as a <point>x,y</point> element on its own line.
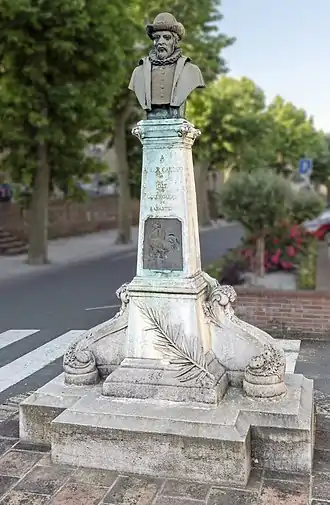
<point>305,166</point>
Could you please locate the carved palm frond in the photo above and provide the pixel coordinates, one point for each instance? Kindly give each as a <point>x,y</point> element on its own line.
<point>187,356</point>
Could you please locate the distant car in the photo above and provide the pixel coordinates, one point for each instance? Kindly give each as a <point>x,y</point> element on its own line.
<point>6,192</point>
<point>320,226</point>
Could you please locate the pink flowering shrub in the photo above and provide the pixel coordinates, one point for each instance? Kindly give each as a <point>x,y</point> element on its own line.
<point>283,248</point>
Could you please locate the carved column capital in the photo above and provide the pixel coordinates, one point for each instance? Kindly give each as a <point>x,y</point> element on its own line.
<point>138,132</point>
<point>188,130</point>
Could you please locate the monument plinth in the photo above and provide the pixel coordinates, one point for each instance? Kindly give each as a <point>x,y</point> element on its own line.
<point>175,384</point>
<point>169,289</point>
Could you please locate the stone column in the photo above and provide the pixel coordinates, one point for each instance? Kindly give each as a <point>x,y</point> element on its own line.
<point>168,202</point>
<point>168,277</point>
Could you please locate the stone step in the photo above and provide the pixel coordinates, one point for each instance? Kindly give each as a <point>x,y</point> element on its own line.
<point>4,235</point>
<point>321,462</point>
<point>12,242</point>
<point>11,245</point>
<point>7,239</point>
<point>15,251</point>
<point>153,439</point>
<point>164,438</point>
<point>322,422</point>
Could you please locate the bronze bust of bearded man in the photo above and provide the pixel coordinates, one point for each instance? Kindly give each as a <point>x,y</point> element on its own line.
<point>163,80</point>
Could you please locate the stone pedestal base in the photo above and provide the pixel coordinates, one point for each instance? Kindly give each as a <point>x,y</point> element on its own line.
<point>152,379</point>
<point>156,437</point>
<point>168,355</point>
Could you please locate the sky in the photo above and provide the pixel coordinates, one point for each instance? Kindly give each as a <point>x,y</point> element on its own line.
<point>284,46</point>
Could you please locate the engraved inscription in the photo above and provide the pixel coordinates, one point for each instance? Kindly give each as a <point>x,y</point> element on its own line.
<point>162,244</point>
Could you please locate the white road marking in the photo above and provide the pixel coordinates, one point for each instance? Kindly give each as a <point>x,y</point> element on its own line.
<point>104,307</point>
<point>35,360</point>
<point>10,336</point>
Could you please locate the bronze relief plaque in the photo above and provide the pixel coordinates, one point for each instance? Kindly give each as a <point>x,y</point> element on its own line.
<point>162,244</point>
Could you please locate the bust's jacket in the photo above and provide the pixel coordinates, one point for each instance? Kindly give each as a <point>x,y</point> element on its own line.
<point>187,77</point>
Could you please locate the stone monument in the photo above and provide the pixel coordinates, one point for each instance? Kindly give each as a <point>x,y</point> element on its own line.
<point>175,384</point>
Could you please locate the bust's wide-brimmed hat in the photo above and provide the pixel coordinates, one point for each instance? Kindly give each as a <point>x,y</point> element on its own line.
<point>165,22</point>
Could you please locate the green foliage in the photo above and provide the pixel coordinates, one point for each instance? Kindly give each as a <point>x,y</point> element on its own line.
<point>306,278</point>
<point>230,113</point>
<point>258,200</point>
<point>291,134</point>
<point>215,269</point>
<point>239,132</point>
<point>306,206</point>
<point>57,58</point>
<point>321,164</point>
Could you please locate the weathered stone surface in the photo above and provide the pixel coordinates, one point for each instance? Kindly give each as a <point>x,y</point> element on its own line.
<point>184,489</point>
<point>230,496</point>
<point>5,445</point>
<point>282,449</point>
<point>173,440</point>
<point>79,493</point>
<point>128,489</point>
<point>322,440</point>
<point>9,428</point>
<point>322,460</point>
<point>42,407</point>
<point>165,500</point>
<point>288,445</point>
<point>284,493</point>
<point>6,482</point>
<point>17,463</point>
<point>286,476</point>
<point>95,477</point>
<point>158,439</point>
<point>99,350</point>
<point>21,498</point>
<point>168,189</point>
<point>153,380</point>
<point>44,480</point>
<point>275,488</point>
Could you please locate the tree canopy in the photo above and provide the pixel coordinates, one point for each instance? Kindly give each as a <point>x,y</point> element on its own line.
<point>64,73</point>
<point>292,134</point>
<point>58,59</point>
<point>230,113</point>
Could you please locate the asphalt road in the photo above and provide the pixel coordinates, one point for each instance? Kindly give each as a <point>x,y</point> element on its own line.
<point>57,300</point>
<point>70,298</point>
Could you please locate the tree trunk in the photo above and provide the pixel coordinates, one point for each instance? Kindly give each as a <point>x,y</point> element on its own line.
<point>201,179</point>
<point>38,222</point>
<point>260,257</point>
<point>124,202</point>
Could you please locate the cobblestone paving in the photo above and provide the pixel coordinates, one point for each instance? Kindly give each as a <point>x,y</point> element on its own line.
<point>27,476</point>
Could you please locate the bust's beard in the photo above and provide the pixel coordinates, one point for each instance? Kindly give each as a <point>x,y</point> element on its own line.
<point>169,60</point>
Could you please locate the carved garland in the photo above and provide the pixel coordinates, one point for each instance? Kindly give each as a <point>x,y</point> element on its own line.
<point>188,357</point>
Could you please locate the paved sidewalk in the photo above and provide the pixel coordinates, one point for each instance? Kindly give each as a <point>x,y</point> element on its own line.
<point>27,476</point>
<point>66,251</point>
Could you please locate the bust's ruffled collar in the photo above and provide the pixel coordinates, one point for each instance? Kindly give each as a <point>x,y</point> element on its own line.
<point>167,61</point>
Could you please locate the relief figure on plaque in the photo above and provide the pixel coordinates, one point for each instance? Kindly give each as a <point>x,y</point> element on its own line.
<point>163,80</point>
<point>161,241</point>
<point>162,244</point>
